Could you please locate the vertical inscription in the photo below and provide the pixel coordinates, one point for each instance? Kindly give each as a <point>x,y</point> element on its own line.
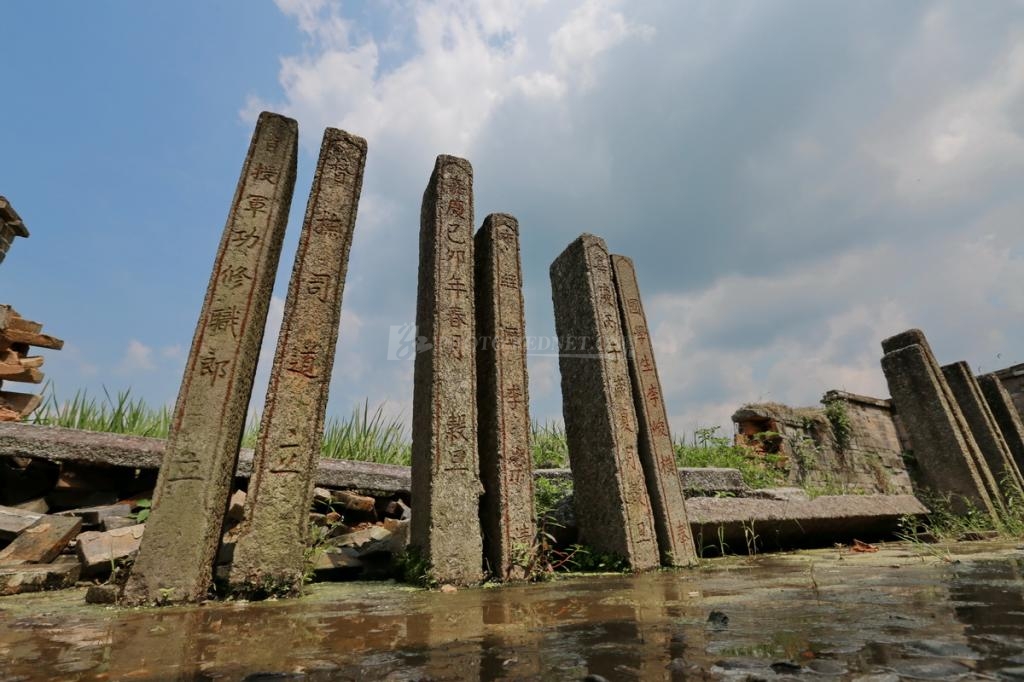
<point>445,466</point>
<point>612,504</point>
<point>656,452</point>
<point>503,399</point>
<point>271,541</point>
<point>175,561</point>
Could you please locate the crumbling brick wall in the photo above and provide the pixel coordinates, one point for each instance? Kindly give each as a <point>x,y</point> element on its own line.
<point>852,445</point>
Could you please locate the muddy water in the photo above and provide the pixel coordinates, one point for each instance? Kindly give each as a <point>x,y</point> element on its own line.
<point>906,612</point>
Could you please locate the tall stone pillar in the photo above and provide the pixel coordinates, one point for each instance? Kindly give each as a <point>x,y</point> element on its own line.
<point>657,454</point>
<point>1005,414</point>
<point>446,488</point>
<point>613,509</point>
<point>942,458</point>
<point>983,427</point>
<point>269,551</point>
<point>183,531</point>
<point>506,466</point>
<point>946,405</point>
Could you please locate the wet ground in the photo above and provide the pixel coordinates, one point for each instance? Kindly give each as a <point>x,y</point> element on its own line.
<point>905,612</point>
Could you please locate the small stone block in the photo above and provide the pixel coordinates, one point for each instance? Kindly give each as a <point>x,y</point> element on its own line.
<point>99,551</point>
<point>58,575</point>
<point>41,542</point>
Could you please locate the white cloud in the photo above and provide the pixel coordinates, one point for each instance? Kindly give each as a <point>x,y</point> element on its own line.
<point>138,357</point>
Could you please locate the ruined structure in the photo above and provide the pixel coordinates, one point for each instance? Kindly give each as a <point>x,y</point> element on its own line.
<point>1010,424</point>
<point>657,454</point>
<point>851,445</point>
<point>446,486</point>
<point>17,336</point>
<point>613,507</point>
<point>269,551</point>
<point>947,457</point>
<point>983,427</point>
<point>506,466</point>
<point>176,559</point>
<point>1013,381</point>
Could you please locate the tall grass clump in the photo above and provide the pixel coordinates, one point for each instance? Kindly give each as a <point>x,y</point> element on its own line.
<point>548,445</point>
<point>708,449</point>
<point>367,437</point>
<point>113,414</point>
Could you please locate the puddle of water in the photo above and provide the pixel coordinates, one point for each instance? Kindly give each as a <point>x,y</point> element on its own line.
<point>894,614</point>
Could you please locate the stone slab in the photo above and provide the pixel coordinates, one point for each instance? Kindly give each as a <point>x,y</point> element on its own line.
<point>446,485</point>
<point>93,516</point>
<point>946,404</point>
<point>41,542</point>
<point>795,522</point>
<point>1005,414</point>
<point>944,463</point>
<point>983,427</point>
<point>657,452</point>
<point>13,521</point>
<point>175,562</point>
<point>612,504</point>
<point>57,444</point>
<point>272,539</point>
<point>697,481</point>
<point>60,574</point>
<point>507,507</point>
<point>98,552</point>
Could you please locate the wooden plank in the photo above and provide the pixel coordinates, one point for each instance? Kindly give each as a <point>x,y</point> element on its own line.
<point>38,577</point>
<point>41,542</point>
<point>14,520</point>
<point>20,374</point>
<point>6,312</point>
<point>22,403</point>
<point>34,361</point>
<point>20,324</point>
<point>39,340</point>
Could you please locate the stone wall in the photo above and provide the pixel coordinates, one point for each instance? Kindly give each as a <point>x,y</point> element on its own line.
<point>852,445</point>
<point>1013,382</point>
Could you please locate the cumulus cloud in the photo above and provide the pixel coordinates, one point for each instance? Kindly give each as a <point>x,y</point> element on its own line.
<point>138,357</point>
<point>794,181</point>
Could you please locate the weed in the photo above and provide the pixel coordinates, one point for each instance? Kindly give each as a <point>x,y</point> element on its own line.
<point>548,445</point>
<point>708,449</point>
<point>414,568</point>
<point>548,493</point>
<point>842,429</point>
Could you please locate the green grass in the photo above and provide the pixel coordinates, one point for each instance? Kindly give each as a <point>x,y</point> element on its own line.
<point>708,449</point>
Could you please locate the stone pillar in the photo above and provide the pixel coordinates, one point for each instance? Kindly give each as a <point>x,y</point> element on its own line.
<point>612,506</point>
<point>947,404</point>
<point>657,454</point>
<point>268,556</point>
<point>506,466</point>
<point>446,489</point>
<point>983,427</point>
<point>183,531</point>
<point>942,459</point>
<point>1005,414</point>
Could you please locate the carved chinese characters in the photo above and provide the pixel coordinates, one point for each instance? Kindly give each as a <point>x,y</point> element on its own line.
<point>182,533</point>
<point>612,506</point>
<point>657,455</point>
<point>506,466</point>
<point>446,487</point>
<point>269,551</point>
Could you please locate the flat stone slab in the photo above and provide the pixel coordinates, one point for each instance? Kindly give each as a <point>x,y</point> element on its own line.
<point>825,519</point>
<point>99,551</point>
<point>58,444</point>
<point>14,520</point>
<point>58,575</point>
<point>696,481</point>
<point>41,542</point>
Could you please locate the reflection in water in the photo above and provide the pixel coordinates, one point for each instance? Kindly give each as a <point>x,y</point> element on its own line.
<point>833,614</point>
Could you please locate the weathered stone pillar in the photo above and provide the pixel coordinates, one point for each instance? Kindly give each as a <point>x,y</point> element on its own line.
<point>943,463</point>
<point>657,454</point>
<point>445,528</point>
<point>506,467</point>
<point>268,556</point>
<point>183,531</point>
<point>983,427</point>
<point>1005,415</point>
<point>947,405</point>
<point>612,506</point>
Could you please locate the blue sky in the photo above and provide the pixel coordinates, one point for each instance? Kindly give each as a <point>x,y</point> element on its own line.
<point>794,180</point>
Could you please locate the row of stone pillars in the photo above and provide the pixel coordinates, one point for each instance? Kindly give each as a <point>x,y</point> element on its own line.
<point>967,437</point>
<point>471,424</point>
